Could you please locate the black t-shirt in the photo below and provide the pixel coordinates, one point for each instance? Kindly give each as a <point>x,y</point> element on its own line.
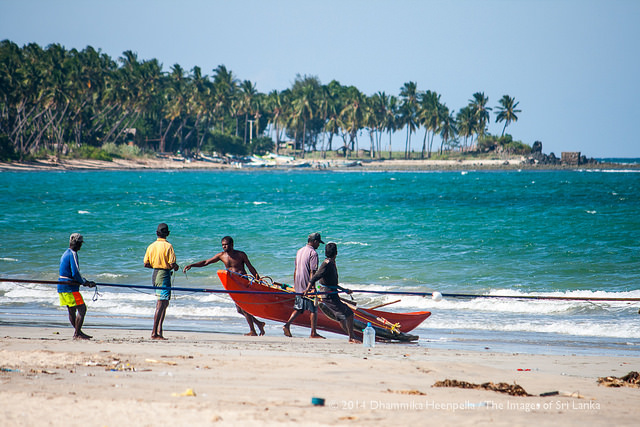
<point>327,275</point>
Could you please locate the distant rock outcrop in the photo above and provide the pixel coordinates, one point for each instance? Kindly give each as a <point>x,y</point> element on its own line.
<point>568,158</point>
<point>539,158</point>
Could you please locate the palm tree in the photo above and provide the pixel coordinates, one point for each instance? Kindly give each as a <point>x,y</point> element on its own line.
<point>248,93</point>
<point>507,111</point>
<point>408,112</point>
<point>303,111</point>
<point>391,119</point>
<point>448,128</point>
<point>258,106</point>
<point>380,103</point>
<point>430,115</point>
<point>352,115</point>
<point>372,120</point>
<point>334,97</point>
<point>480,111</point>
<point>225,85</point>
<point>198,106</point>
<point>466,124</point>
<point>275,107</point>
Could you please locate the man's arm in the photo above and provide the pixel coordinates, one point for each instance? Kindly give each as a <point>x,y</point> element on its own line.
<point>315,276</point>
<point>75,269</point>
<point>345,289</point>
<point>249,266</point>
<point>172,259</point>
<point>147,259</point>
<point>310,285</point>
<point>203,263</point>
<point>313,267</point>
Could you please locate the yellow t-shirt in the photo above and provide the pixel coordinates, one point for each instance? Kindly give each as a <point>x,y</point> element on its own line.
<point>160,254</point>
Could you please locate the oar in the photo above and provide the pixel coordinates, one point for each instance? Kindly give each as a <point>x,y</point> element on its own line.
<point>385,322</point>
<point>384,305</point>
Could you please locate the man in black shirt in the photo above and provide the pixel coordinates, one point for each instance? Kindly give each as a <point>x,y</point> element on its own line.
<point>327,275</point>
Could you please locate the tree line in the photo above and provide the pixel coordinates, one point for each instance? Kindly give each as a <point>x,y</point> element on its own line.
<point>58,100</point>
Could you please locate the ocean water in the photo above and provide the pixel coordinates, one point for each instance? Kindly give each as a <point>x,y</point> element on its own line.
<point>517,233</point>
<point>621,160</point>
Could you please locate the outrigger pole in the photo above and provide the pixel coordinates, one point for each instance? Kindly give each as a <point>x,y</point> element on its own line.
<point>117,285</point>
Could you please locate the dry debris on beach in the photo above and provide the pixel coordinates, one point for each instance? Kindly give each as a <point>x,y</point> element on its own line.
<point>510,389</point>
<point>632,379</point>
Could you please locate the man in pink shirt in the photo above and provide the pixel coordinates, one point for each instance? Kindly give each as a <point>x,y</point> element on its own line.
<point>306,265</point>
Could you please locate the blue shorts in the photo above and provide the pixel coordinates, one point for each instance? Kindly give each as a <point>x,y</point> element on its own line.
<point>162,281</point>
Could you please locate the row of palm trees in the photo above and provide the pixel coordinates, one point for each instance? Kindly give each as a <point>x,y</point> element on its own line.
<point>54,98</point>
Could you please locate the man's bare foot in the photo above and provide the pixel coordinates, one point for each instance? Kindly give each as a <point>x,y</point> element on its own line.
<point>287,332</point>
<point>85,336</point>
<point>158,337</point>
<point>260,326</point>
<point>354,341</point>
<point>317,336</point>
<point>251,334</point>
<point>81,337</point>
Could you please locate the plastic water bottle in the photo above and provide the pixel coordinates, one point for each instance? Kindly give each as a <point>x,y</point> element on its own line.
<point>369,336</point>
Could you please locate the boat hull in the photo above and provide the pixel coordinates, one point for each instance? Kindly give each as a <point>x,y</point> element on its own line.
<point>275,303</point>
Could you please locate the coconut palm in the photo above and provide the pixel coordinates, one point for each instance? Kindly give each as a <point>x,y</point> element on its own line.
<point>335,104</point>
<point>246,98</point>
<point>225,84</point>
<point>303,111</point>
<point>380,102</point>
<point>480,111</point>
<point>506,112</point>
<point>466,122</point>
<point>448,127</point>
<point>408,112</point>
<point>198,106</point>
<point>175,109</point>
<point>391,118</point>
<point>276,107</point>
<point>373,119</point>
<point>352,115</point>
<point>430,115</point>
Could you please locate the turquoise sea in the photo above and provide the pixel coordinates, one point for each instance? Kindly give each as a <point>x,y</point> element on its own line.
<point>547,233</point>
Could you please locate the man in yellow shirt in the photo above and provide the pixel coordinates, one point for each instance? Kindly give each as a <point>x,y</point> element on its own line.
<point>161,257</point>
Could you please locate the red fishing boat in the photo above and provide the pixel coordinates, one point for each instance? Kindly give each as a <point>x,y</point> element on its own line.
<point>274,301</point>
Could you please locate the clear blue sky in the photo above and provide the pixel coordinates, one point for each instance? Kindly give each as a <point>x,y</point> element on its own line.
<point>574,65</point>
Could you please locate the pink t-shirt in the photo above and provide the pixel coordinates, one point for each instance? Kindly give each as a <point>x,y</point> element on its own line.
<point>306,261</point>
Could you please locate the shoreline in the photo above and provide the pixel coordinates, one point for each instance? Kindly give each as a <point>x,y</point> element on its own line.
<point>333,164</point>
<point>209,378</point>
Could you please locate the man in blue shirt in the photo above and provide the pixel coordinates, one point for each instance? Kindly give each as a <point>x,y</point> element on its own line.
<point>69,286</point>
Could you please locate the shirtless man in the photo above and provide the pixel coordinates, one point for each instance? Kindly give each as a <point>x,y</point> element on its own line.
<point>234,261</point>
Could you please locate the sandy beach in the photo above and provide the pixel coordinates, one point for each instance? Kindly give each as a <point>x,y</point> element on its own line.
<point>122,377</point>
<point>338,164</point>
<point>170,164</point>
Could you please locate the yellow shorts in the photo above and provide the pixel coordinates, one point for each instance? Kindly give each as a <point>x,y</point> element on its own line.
<point>70,299</point>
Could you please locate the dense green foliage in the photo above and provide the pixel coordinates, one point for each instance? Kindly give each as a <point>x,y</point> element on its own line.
<point>70,102</point>
<point>502,144</point>
<point>123,151</point>
<point>89,152</point>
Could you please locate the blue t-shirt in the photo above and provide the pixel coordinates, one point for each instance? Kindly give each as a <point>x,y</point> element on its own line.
<point>70,272</point>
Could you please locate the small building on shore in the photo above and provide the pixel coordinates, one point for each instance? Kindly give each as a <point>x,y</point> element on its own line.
<point>570,158</point>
